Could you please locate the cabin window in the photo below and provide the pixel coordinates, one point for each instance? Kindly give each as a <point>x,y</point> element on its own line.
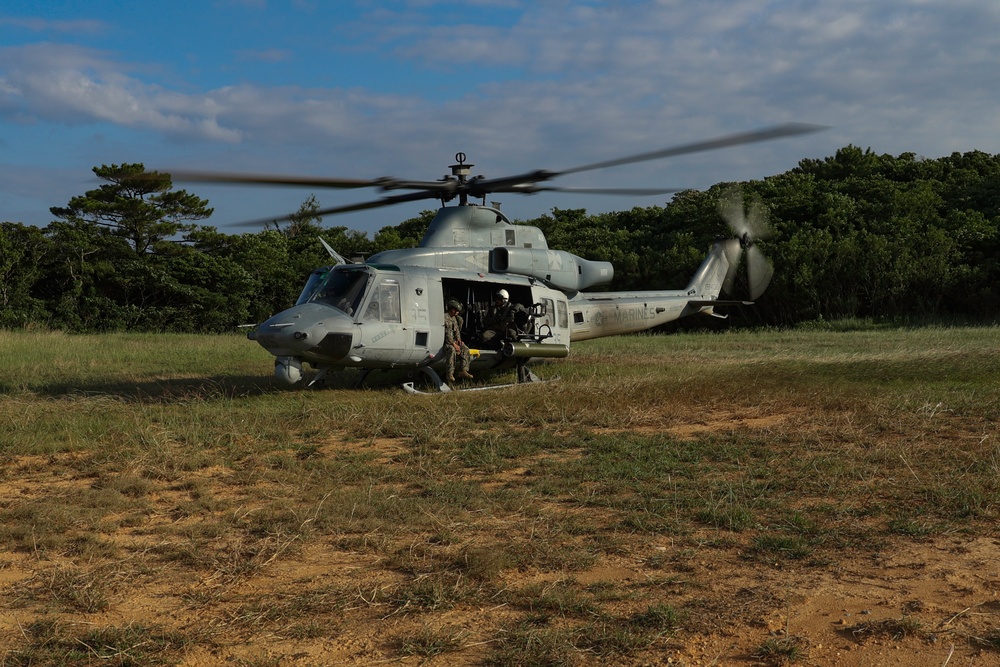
<point>549,316</point>
<point>577,317</point>
<point>563,318</point>
<point>511,237</point>
<point>421,339</point>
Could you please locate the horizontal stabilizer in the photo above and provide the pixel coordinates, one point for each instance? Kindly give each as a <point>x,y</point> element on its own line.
<point>718,302</point>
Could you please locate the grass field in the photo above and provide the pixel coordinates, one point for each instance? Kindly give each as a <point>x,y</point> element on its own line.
<point>737,498</point>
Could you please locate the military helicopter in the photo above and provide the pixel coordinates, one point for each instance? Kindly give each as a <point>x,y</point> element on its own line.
<point>388,311</point>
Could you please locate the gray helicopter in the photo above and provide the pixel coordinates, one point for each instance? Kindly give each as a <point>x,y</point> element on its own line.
<point>389,311</point>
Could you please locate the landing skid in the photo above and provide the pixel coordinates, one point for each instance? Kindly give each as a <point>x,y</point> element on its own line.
<point>410,389</point>
<point>524,376</point>
<point>441,385</point>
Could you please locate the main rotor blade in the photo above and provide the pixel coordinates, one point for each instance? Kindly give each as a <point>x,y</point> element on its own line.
<point>270,179</point>
<point>530,188</point>
<point>361,206</point>
<point>526,183</point>
<point>766,134</point>
<point>376,203</point>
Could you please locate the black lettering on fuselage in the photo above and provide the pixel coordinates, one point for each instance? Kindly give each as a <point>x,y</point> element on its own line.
<point>635,314</point>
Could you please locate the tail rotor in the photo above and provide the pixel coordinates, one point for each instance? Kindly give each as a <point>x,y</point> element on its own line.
<point>749,224</point>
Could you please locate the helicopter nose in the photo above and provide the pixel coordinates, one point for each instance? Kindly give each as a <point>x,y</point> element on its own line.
<point>312,331</point>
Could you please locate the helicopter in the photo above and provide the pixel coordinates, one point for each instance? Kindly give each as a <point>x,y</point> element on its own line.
<point>387,311</point>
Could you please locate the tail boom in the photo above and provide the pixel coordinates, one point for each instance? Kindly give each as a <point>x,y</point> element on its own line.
<point>614,313</point>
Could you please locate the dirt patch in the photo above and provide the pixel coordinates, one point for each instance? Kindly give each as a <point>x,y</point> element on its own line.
<point>279,593</point>
<point>719,422</point>
<point>940,588</point>
<point>729,423</point>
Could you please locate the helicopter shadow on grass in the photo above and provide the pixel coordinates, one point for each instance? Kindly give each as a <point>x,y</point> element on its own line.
<point>230,387</point>
<point>165,390</point>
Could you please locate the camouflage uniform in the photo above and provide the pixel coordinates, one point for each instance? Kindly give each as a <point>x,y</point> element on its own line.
<point>501,321</point>
<point>453,334</point>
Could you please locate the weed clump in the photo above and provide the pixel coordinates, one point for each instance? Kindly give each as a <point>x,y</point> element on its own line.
<point>782,650</point>
<point>892,628</point>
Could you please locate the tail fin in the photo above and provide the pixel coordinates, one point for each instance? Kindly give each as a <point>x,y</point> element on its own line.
<point>716,271</point>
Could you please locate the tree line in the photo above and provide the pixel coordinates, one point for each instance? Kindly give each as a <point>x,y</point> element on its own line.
<point>855,235</point>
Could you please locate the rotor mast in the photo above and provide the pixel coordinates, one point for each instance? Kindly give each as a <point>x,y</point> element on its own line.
<point>461,172</point>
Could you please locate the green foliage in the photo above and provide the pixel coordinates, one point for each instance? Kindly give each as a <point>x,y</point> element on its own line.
<point>884,237</point>
<point>858,236</point>
<point>135,205</point>
<point>21,249</point>
<point>406,234</point>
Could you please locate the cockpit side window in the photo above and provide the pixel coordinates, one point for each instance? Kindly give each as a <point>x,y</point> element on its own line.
<point>384,304</point>
<point>388,296</point>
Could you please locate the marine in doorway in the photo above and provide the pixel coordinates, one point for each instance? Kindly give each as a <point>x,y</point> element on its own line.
<point>456,352</point>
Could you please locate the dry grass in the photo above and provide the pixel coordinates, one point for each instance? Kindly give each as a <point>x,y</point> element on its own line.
<point>163,490</point>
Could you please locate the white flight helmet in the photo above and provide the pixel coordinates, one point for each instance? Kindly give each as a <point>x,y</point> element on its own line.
<point>502,294</point>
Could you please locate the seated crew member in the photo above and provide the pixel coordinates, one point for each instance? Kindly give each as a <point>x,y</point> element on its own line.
<point>454,348</point>
<point>501,321</point>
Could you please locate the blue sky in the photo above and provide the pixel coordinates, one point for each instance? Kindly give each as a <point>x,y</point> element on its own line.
<point>362,89</point>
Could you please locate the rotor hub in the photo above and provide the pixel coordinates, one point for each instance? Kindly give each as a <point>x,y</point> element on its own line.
<point>461,170</point>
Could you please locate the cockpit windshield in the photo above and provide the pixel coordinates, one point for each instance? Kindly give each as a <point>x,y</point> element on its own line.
<point>316,279</point>
<point>342,287</point>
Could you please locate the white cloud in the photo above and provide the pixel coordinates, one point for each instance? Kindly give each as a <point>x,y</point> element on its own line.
<point>633,64</point>
<point>552,85</point>
<point>75,85</point>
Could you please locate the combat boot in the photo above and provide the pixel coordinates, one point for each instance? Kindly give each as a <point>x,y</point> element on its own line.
<point>465,375</point>
<point>449,378</point>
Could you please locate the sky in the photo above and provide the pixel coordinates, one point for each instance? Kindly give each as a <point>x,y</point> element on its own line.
<point>365,89</point>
